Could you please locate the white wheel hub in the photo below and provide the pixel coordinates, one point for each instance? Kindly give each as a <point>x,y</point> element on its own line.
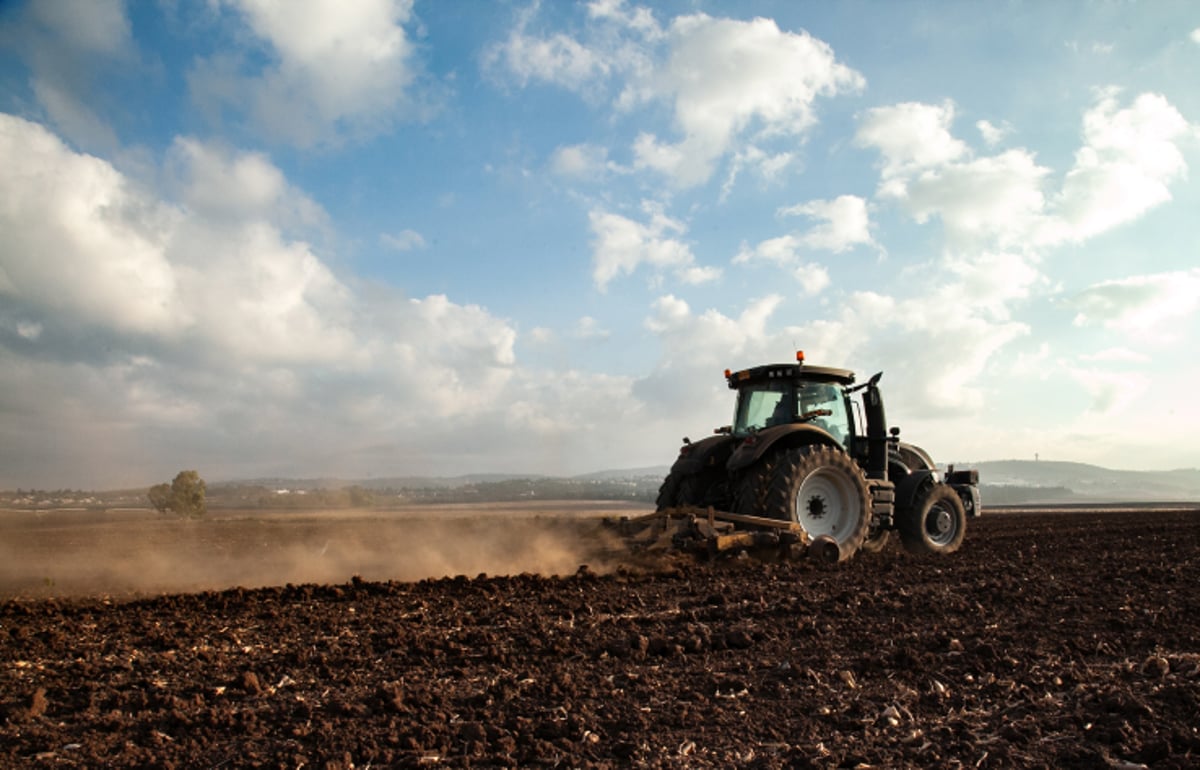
<point>827,504</point>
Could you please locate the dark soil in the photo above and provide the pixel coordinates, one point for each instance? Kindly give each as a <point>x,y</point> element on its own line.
<point>1049,640</point>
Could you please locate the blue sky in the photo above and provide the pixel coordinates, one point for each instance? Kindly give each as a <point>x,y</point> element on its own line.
<point>390,238</point>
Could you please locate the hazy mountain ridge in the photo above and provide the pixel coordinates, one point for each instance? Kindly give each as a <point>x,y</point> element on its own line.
<point>1023,480</point>
<point>1002,482</point>
<point>1080,482</point>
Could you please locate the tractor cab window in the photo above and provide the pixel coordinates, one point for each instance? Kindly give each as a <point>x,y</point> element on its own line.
<point>762,405</point>
<point>824,404</point>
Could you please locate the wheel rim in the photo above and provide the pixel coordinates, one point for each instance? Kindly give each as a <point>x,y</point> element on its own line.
<point>940,525</point>
<point>826,504</point>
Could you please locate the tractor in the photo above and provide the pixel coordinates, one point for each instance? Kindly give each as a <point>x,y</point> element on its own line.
<point>810,461</point>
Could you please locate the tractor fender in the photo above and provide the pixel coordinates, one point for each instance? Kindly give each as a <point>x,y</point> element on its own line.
<point>969,493</point>
<point>908,487</point>
<point>780,437</point>
<point>914,456</point>
<point>711,452</point>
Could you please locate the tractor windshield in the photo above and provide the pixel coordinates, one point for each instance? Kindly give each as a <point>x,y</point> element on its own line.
<point>763,404</point>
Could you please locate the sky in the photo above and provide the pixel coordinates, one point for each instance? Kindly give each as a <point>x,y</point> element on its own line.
<point>396,237</point>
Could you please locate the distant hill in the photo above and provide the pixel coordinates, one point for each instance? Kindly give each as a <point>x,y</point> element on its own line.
<point>1002,482</point>
<point>1027,481</point>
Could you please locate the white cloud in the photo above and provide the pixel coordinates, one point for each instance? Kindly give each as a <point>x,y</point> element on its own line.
<point>999,197</point>
<point>991,133</point>
<point>727,78</point>
<point>405,240</point>
<point>559,59</point>
<point>95,26</point>
<point>785,251</point>
<point>66,45</point>
<point>110,259</point>
<point>332,69</point>
<point>221,184</point>
<point>813,278</point>
<point>588,328</point>
<point>1146,307</point>
<point>621,245</point>
<point>1115,356</point>
<point>638,19</point>
<point>1129,158</point>
<point>732,85</point>
<point>845,223</point>
<point>994,280</point>
<point>1112,392</point>
<point>769,166</point>
<point>91,223</point>
<point>175,322</point>
<point>1196,35</point>
<point>581,161</point>
<point>911,137</point>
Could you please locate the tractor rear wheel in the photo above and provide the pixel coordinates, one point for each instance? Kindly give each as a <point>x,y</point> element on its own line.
<point>750,489</point>
<point>936,522</point>
<point>668,493</point>
<point>823,490</point>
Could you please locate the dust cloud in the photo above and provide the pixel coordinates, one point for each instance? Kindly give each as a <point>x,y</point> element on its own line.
<point>62,553</point>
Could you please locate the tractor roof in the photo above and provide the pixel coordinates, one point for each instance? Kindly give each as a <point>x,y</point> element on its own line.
<point>799,372</point>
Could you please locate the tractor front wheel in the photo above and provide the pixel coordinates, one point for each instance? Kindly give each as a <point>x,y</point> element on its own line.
<point>823,490</point>
<point>935,524</point>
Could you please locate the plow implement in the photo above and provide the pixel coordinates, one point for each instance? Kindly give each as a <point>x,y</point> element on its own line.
<point>709,533</point>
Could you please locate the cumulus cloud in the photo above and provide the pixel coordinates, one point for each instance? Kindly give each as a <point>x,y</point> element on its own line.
<point>911,137</point>
<point>180,320</point>
<point>580,161</point>
<point>732,85</point>
<point>787,251</point>
<point>330,69</point>
<point>1146,307</point>
<point>844,223</point>
<point>726,79</point>
<point>1111,392</point>
<point>558,59</point>
<point>991,133</point>
<point>621,245</point>
<point>94,223</point>
<point>1129,158</point>
<point>997,197</point>
<point>219,183</point>
<point>67,44</point>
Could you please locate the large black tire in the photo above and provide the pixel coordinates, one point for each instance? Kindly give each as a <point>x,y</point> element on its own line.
<point>751,487</point>
<point>876,541</point>
<point>668,493</point>
<point>825,491</point>
<point>699,489</point>
<point>935,524</point>
<point>702,490</point>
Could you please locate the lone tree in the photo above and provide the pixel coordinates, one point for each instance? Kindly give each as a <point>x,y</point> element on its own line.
<point>184,495</point>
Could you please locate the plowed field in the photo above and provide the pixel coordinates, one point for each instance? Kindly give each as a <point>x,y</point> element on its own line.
<point>1049,640</point>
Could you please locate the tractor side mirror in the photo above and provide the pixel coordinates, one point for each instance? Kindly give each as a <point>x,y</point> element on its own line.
<point>895,431</point>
